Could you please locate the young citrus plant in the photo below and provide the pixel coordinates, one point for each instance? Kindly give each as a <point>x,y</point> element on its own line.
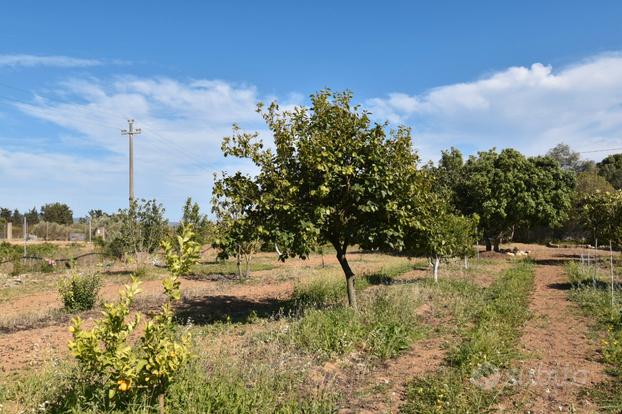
<point>149,364</point>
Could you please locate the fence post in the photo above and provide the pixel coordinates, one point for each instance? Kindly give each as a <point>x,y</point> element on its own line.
<point>25,230</point>
<point>611,271</point>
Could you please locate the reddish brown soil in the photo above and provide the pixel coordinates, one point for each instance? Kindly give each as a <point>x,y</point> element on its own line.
<point>383,389</point>
<point>560,360</point>
<point>33,346</point>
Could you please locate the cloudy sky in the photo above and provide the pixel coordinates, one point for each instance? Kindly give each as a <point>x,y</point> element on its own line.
<point>526,75</point>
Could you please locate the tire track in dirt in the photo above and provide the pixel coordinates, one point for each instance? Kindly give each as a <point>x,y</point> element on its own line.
<point>560,360</point>
<point>424,357</point>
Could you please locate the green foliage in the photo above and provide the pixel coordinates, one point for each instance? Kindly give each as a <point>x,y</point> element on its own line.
<point>181,252</point>
<point>507,190</point>
<point>589,182</point>
<point>10,251</point>
<point>109,360</point>
<point>203,228</point>
<point>611,169</point>
<point>446,235</point>
<point>57,213</point>
<point>79,291</point>
<point>334,177</point>
<point>601,214</point>
<point>140,228</point>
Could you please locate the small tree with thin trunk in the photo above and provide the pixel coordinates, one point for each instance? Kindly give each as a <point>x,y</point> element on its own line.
<point>333,177</point>
<point>234,203</point>
<point>445,235</point>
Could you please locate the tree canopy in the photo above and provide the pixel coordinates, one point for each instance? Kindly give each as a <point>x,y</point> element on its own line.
<point>611,169</point>
<point>334,176</point>
<point>57,213</point>
<point>601,214</point>
<point>506,189</point>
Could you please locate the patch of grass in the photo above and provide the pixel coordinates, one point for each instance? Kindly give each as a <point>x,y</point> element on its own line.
<point>328,291</point>
<point>490,341</point>
<point>385,325</point>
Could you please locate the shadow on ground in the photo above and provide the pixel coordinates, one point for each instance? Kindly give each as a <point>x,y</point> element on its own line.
<point>210,309</point>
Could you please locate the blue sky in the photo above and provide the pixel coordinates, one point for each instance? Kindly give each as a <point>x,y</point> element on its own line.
<point>469,74</point>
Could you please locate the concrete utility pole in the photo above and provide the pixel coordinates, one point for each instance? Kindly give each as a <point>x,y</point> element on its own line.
<point>130,132</point>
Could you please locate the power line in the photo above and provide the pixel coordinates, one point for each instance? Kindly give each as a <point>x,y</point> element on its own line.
<point>600,150</point>
<point>164,143</point>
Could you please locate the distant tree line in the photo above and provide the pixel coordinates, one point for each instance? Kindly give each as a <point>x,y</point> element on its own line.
<point>58,213</point>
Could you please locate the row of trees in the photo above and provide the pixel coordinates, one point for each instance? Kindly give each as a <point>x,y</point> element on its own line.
<point>52,213</point>
<point>336,177</point>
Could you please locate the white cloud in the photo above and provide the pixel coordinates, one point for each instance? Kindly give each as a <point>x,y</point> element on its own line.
<point>176,154</point>
<point>529,108</point>
<point>56,61</point>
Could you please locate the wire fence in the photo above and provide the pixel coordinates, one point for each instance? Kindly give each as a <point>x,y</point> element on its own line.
<point>46,231</point>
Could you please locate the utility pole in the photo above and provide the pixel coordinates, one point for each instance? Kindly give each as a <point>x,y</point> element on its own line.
<point>130,132</point>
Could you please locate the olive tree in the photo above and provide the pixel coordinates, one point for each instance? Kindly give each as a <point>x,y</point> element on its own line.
<point>333,176</point>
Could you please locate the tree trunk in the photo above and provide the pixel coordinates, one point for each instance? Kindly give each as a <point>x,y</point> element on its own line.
<point>437,261</point>
<point>341,257</point>
<point>488,244</point>
<point>497,242</point>
<point>238,264</point>
<point>466,263</point>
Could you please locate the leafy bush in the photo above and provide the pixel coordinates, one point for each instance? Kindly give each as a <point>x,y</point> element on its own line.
<point>612,348</point>
<point>140,228</point>
<point>126,369</point>
<point>79,291</point>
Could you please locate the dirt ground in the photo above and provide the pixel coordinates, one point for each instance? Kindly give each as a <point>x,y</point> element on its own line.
<point>559,358</point>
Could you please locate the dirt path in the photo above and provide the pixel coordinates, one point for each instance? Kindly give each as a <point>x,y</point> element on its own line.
<point>383,389</point>
<point>559,359</point>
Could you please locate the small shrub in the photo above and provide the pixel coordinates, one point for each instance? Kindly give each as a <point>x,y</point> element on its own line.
<point>79,291</point>
<point>144,368</point>
<point>612,348</point>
